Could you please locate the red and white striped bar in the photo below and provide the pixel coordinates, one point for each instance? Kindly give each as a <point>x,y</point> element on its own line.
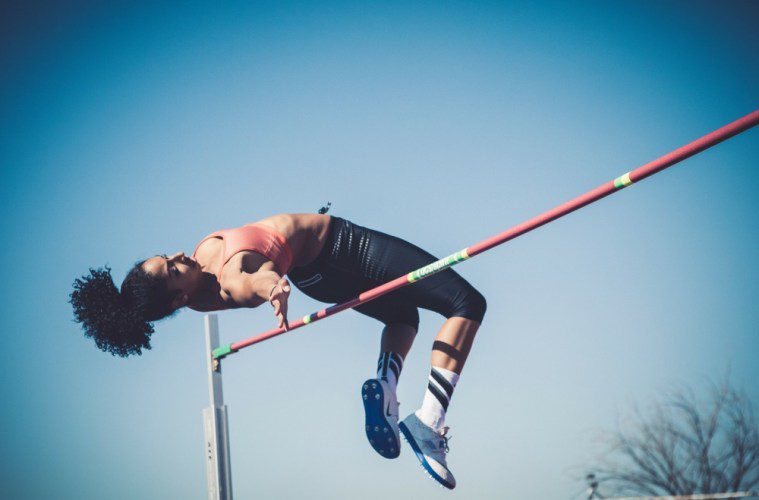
<point>676,156</point>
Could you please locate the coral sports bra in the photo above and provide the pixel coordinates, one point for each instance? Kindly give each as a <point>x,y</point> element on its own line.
<point>257,238</point>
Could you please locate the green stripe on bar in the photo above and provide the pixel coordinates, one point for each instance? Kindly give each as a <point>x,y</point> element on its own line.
<point>307,319</point>
<point>222,351</point>
<point>622,181</point>
<point>437,266</point>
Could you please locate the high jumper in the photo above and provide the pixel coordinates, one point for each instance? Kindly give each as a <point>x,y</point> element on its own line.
<point>330,259</point>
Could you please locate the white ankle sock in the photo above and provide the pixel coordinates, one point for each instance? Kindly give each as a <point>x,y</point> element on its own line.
<point>437,397</point>
<point>389,368</point>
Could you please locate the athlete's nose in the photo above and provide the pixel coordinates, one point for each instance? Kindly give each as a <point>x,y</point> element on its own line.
<point>176,256</point>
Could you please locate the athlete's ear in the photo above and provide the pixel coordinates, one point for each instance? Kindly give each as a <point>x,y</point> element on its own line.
<point>180,300</point>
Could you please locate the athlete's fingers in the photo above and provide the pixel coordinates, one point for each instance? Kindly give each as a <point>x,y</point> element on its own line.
<point>284,317</point>
<point>282,322</point>
<point>280,293</point>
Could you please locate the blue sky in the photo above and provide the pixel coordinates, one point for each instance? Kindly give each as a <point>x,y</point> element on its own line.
<point>134,129</point>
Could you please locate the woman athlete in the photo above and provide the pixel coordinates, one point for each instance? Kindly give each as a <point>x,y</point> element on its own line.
<point>329,259</point>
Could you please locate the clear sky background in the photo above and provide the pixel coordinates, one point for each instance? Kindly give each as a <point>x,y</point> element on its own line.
<point>133,129</point>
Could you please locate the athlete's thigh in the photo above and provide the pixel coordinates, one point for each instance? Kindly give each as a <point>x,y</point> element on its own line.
<point>446,292</point>
<point>391,310</point>
<point>329,284</point>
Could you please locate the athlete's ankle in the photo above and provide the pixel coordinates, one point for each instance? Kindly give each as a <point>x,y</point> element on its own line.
<point>440,386</point>
<point>389,368</point>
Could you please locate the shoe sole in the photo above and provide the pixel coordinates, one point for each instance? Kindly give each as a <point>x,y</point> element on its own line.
<point>420,456</point>
<point>379,431</point>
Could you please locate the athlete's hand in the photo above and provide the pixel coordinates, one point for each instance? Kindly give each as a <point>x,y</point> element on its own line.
<point>278,299</point>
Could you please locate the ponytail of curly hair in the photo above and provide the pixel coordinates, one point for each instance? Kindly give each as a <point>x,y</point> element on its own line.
<point>120,322</point>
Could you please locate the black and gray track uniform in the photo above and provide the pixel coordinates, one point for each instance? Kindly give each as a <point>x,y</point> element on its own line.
<point>355,259</point>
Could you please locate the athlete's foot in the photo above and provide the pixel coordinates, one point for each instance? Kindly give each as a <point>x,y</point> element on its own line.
<point>381,425</point>
<point>430,447</point>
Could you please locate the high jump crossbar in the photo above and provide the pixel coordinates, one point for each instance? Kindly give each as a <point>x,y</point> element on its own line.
<point>676,156</point>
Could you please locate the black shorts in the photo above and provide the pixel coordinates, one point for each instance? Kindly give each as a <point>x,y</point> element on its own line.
<point>355,259</point>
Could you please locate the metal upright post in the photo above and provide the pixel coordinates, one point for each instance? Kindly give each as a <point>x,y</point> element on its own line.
<point>218,469</point>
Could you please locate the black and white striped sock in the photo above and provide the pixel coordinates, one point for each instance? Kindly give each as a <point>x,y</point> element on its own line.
<point>437,397</point>
<point>389,368</point>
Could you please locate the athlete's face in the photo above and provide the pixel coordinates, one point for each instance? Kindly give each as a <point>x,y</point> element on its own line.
<point>181,274</point>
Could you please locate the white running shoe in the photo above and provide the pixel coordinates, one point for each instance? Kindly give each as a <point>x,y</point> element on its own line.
<point>381,425</point>
<point>430,447</point>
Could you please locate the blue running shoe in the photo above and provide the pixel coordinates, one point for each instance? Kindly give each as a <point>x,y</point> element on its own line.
<point>430,447</point>
<point>381,409</point>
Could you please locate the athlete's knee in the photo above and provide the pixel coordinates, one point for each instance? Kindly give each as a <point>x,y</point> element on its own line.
<point>406,316</point>
<point>478,304</point>
<point>402,328</point>
<point>407,326</point>
<point>473,306</point>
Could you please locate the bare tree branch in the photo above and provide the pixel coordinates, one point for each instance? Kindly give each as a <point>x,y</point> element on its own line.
<point>683,446</point>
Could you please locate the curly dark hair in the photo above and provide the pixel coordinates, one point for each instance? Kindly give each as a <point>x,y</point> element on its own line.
<point>120,322</point>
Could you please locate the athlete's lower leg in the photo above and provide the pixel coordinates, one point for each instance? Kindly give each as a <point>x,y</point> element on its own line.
<point>453,343</point>
<point>395,345</point>
<point>425,428</point>
<point>397,338</point>
<point>449,353</point>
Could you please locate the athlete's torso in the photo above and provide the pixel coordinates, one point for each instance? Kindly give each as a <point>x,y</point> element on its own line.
<point>304,234</point>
